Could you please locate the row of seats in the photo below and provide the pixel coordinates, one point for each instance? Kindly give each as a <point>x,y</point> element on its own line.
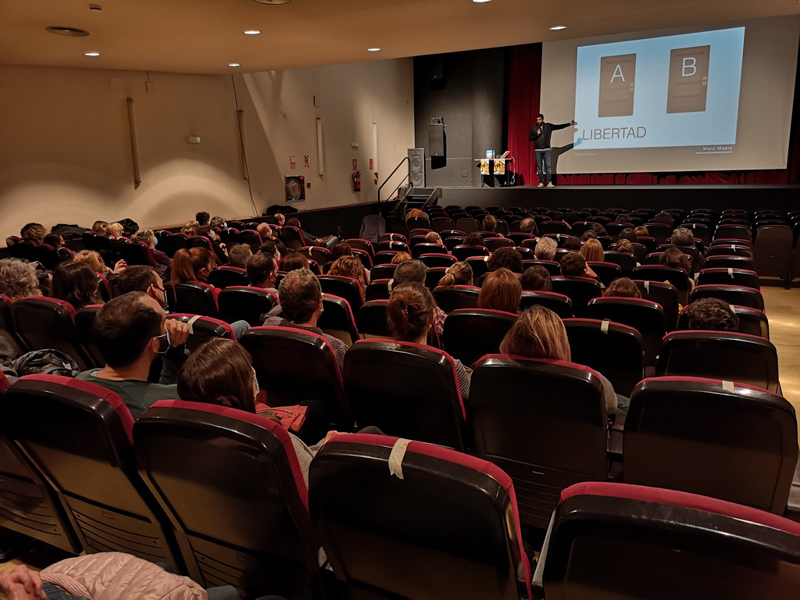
<point>214,492</point>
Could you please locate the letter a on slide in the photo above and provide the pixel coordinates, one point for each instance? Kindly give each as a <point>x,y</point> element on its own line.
<point>617,78</point>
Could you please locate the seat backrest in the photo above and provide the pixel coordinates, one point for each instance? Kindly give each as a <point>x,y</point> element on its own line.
<point>558,303</point>
<point>371,319</point>
<point>773,251</point>
<point>84,320</point>
<point>78,434</point>
<point>194,298</point>
<point>721,355</point>
<point>732,294</point>
<point>251,237</point>
<point>463,252</point>
<point>344,287</point>
<point>468,225</point>
<point>378,289</point>
<point>224,276</point>
<point>606,271</point>
<point>361,244</point>
<point>479,265</point>
<point>452,297</point>
<point>293,365</point>
<point>645,316</point>
<point>752,321</point>
<point>730,261</point>
<point>378,529</point>
<point>736,232</point>
<point>626,262</point>
<point>203,328</point>
<point>49,323</point>
<point>204,462</point>
<point>739,444</point>
<point>383,257</point>
<point>439,259</point>
<point>469,333</point>
<point>337,319</point>
<point>7,330</point>
<point>664,294</point>
<point>292,237</point>
<point>543,422</point>
<point>137,253</point>
<point>732,249</point>
<point>740,277</point>
<point>579,289</point>
<point>406,389</point>
<point>656,544</point>
<point>423,247</point>
<point>612,349</point>
<point>246,303</point>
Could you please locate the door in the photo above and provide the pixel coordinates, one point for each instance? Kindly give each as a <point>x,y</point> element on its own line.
<point>617,78</point>
<point>688,79</point>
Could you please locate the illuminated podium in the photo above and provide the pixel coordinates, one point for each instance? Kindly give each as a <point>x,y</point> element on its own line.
<point>499,168</point>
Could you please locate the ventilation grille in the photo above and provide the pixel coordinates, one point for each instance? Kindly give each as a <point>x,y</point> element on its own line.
<point>69,31</point>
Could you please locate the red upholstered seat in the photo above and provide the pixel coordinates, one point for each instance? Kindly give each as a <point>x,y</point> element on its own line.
<point>452,297</point>
<point>243,302</point>
<point>225,276</point>
<point>337,319</point>
<point>645,316</point>
<point>469,333</point>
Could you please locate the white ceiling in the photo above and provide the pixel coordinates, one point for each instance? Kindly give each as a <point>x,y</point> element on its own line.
<point>203,36</point>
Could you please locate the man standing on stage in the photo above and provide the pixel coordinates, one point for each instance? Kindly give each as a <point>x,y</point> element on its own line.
<point>540,136</point>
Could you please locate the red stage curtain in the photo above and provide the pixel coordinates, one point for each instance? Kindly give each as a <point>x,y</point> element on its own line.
<point>523,81</point>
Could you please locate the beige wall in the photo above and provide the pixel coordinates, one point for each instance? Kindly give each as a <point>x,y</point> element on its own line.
<point>65,153</point>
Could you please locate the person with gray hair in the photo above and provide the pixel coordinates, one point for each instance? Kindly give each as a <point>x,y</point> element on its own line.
<point>545,249</point>
<point>300,297</point>
<point>683,237</point>
<point>18,279</point>
<point>148,238</point>
<point>528,225</point>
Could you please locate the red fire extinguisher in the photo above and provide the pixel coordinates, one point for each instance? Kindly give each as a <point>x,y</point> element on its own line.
<point>357,181</point>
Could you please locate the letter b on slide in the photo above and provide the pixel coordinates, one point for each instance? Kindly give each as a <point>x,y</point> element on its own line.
<point>617,78</point>
<point>688,79</point>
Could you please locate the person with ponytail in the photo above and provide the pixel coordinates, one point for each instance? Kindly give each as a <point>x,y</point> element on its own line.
<point>459,273</point>
<point>410,315</point>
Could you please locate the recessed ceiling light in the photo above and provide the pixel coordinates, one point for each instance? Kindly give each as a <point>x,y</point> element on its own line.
<point>373,49</point>
<point>252,32</point>
<point>234,65</point>
<point>273,2</point>
<point>481,1</point>
<point>92,54</point>
<point>558,28</point>
<point>69,31</point>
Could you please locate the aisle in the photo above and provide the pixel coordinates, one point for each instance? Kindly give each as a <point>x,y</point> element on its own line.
<point>784,331</point>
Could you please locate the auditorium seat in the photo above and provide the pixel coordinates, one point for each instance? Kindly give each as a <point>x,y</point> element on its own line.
<point>378,289</point>
<point>232,486</point>
<point>543,422</point>
<point>406,389</point>
<point>7,330</point>
<point>735,249</point>
<point>337,319</point>
<point>659,231</point>
<point>225,275</point>
<point>732,294</point>
<point>418,222</point>
<point>612,349</point>
<point>721,355</point>
<point>391,246</point>
<point>493,243</point>
<point>393,237</point>
<point>606,271</point>
<point>371,319</point>
<point>242,302</point>
<point>735,232</point>
<point>551,266</point>
<point>433,276</point>
<point>195,241</point>
<point>479,265</point>
<point>738,277</point>
<point>452,297</point>
<point>554,227</point>
<point>194,298</point>
<point>229,236</point>
<point>438,260</point>
<point>519,237</point>
<point>319,254</point>
<point>293,366</point>
<point>579,289</point>
<point>677,277</point>
<point>645,316</point>
<point>383,257</point>
<point>773,253</point>
<point>469,333</point>
<point>203,329</point>
<point>446,527</point>
<point>453,241</point>
<point>730,261</point>
<point>752,321</point>
<point>421,248</point>
<point>558,303</point>
<point>612,540</point>
<point>440,224</point>
<point>626,262</point>
<point>664,294</point>
<point>468,225</point>
<point>78,435</point>
<point>49,323</point>
<point>361,244</point>
<point>463,252</point>
<point>721,439</point>
<point>291,237</point>
<point>344,287</point>
<point>364,256</point>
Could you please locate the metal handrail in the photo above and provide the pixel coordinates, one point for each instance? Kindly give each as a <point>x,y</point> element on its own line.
<point>385,181</point>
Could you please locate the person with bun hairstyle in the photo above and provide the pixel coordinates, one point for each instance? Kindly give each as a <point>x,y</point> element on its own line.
<point>459,273</point>
<point>410,315</point>
<point>540,333</point>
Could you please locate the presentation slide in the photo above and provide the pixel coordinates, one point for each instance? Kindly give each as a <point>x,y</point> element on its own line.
<point>673,100</point>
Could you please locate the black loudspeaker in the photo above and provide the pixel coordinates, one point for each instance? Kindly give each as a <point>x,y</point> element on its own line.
<point>436,139</point>
<point>416,167</point>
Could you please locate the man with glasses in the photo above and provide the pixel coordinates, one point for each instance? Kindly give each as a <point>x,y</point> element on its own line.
<point>131,331</point>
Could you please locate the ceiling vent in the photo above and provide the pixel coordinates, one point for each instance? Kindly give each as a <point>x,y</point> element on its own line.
<point>69,31</point>
<point>273,2</point>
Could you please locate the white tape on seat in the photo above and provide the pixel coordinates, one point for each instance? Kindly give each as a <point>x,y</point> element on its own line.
<point>397,456</point>
<point>730,272</point>
<point>728,386</point>
<point>191,322</point>
<point>604,325</point>
<point>647,286</point>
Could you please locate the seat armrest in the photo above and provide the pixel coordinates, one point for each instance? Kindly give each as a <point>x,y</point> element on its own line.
<point>793,502</point>
<point>537,585</point>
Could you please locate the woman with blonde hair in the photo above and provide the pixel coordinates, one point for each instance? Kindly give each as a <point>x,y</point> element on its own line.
<point>18,279</point>
<point>190,228</point>
<point>459,273</point>
<point>96,264</point>
<point>349,266</point>
<point>592,250</point>
<point>115,230</point>
<point>540,333</point>
<point>501,291</point>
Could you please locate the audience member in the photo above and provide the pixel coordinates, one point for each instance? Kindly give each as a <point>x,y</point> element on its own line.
<point>545,249</point>
<point>131,331</point>
<point>507,258</point>
<point>589,234</point>
<point>558,216</point>
<point>572,243</point>
<point>414,271</point>
<point>54,240</point>
<point>490,225</point>
<point>341,249</point>
<point>400,257</point>
<point>540,333</point>
<point>148,238</point>
<point>410,314</point>
<point>238,255</point>
<point>218,222</point>
<point>202,218</point>
<point>573,264</point>
<point>536,279</point>
<point>474,239</point>
<point>673,257</point>
<point>190,228</point>
<point>459,273</point>
<point>95,262</point>
<point>712,314</point>
<point>294,260</point>
<point>192,265</point>
<point>262,271</point>
<point>592,250</point>
<point>115,230</point>
<point>501,290</point>
<point>300,296</point>
<point>433,238</point>
<point>312,240</point>
<point>623,287</point>
<point>142,278</point>
<point>349,266</point>
<point>280,218</point>
<point>683,237</point>
<point>663,217</point>
<point>270,247</point>
<point>622,218</point>
<point>267,234</point>
<point>99,227</point>
<point>528,225</point>
<point>76,283</point>
<point>628,234</point>
<point>33,232</point>
<point>641,231</point>
<point>416,213</point>
<point>623,246</point>
<point>18,279</point>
